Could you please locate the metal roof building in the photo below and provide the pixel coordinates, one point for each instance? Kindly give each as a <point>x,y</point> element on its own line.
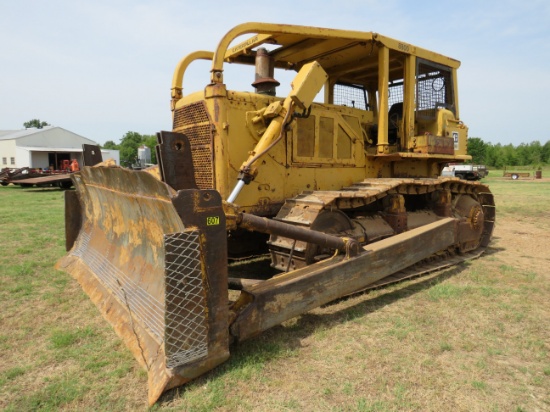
<point>43,148</point>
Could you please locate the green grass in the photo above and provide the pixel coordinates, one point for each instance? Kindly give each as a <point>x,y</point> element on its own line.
<point>54,395</point>
<point>474,337</point>
<point>520,198</point>
<point>60,339</point>
<point>445,291</point>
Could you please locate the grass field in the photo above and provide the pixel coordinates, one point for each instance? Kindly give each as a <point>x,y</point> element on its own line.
<point>472,338</point>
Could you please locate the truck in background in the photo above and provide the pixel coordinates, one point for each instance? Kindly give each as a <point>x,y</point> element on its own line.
<point>465,172</point>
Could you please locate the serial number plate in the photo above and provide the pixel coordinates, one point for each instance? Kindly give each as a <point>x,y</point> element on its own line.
<point>212,220</point>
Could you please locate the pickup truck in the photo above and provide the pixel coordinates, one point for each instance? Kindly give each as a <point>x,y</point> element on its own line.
<point>466,172</point>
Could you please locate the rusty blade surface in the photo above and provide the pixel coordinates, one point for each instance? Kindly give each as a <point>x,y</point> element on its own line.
<point>118,258</point>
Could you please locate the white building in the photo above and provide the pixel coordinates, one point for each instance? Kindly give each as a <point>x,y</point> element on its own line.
<point>44,148</point>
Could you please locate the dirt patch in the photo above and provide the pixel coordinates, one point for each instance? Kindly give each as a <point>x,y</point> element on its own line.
<point>523,242</point>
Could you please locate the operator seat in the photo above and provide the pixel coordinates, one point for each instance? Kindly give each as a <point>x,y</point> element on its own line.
<point>394,121</point>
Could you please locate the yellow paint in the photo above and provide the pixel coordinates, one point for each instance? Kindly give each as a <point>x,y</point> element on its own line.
<point>337,144</point>
<point>328,145</point>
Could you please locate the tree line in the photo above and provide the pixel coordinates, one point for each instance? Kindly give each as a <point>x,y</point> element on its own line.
<point>498,155</point>
<point>129,145</point>
<point>35,123</point>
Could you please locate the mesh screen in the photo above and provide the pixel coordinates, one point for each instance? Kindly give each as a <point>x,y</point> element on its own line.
<point>433,89</point>
<point>142,306</point>
<point>181,320</point>
<point>191,114</point>
<point>193,121</point>
<point>395,93</point>
<point>186,332</point>
<point>351,96</point>
<point>199,135</point>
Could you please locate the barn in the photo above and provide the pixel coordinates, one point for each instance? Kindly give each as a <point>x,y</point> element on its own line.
<point>44,148</point>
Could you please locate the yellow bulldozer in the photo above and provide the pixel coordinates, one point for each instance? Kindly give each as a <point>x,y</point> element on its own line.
<point>264,207</point>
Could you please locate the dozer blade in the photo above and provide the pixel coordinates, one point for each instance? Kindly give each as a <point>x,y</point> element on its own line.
<point>141,252</point>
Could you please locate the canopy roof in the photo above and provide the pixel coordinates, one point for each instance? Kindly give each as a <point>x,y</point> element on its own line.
<point>350,56</point>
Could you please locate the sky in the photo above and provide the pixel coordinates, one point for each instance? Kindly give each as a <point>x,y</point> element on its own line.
<point>102,68</point>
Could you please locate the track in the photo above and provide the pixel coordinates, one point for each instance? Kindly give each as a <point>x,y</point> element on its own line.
<point>365,200</point>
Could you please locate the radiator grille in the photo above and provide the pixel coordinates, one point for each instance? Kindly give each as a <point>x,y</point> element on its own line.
<point>199,135</point>
<point>191,114</point>
<point>193,121</point>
